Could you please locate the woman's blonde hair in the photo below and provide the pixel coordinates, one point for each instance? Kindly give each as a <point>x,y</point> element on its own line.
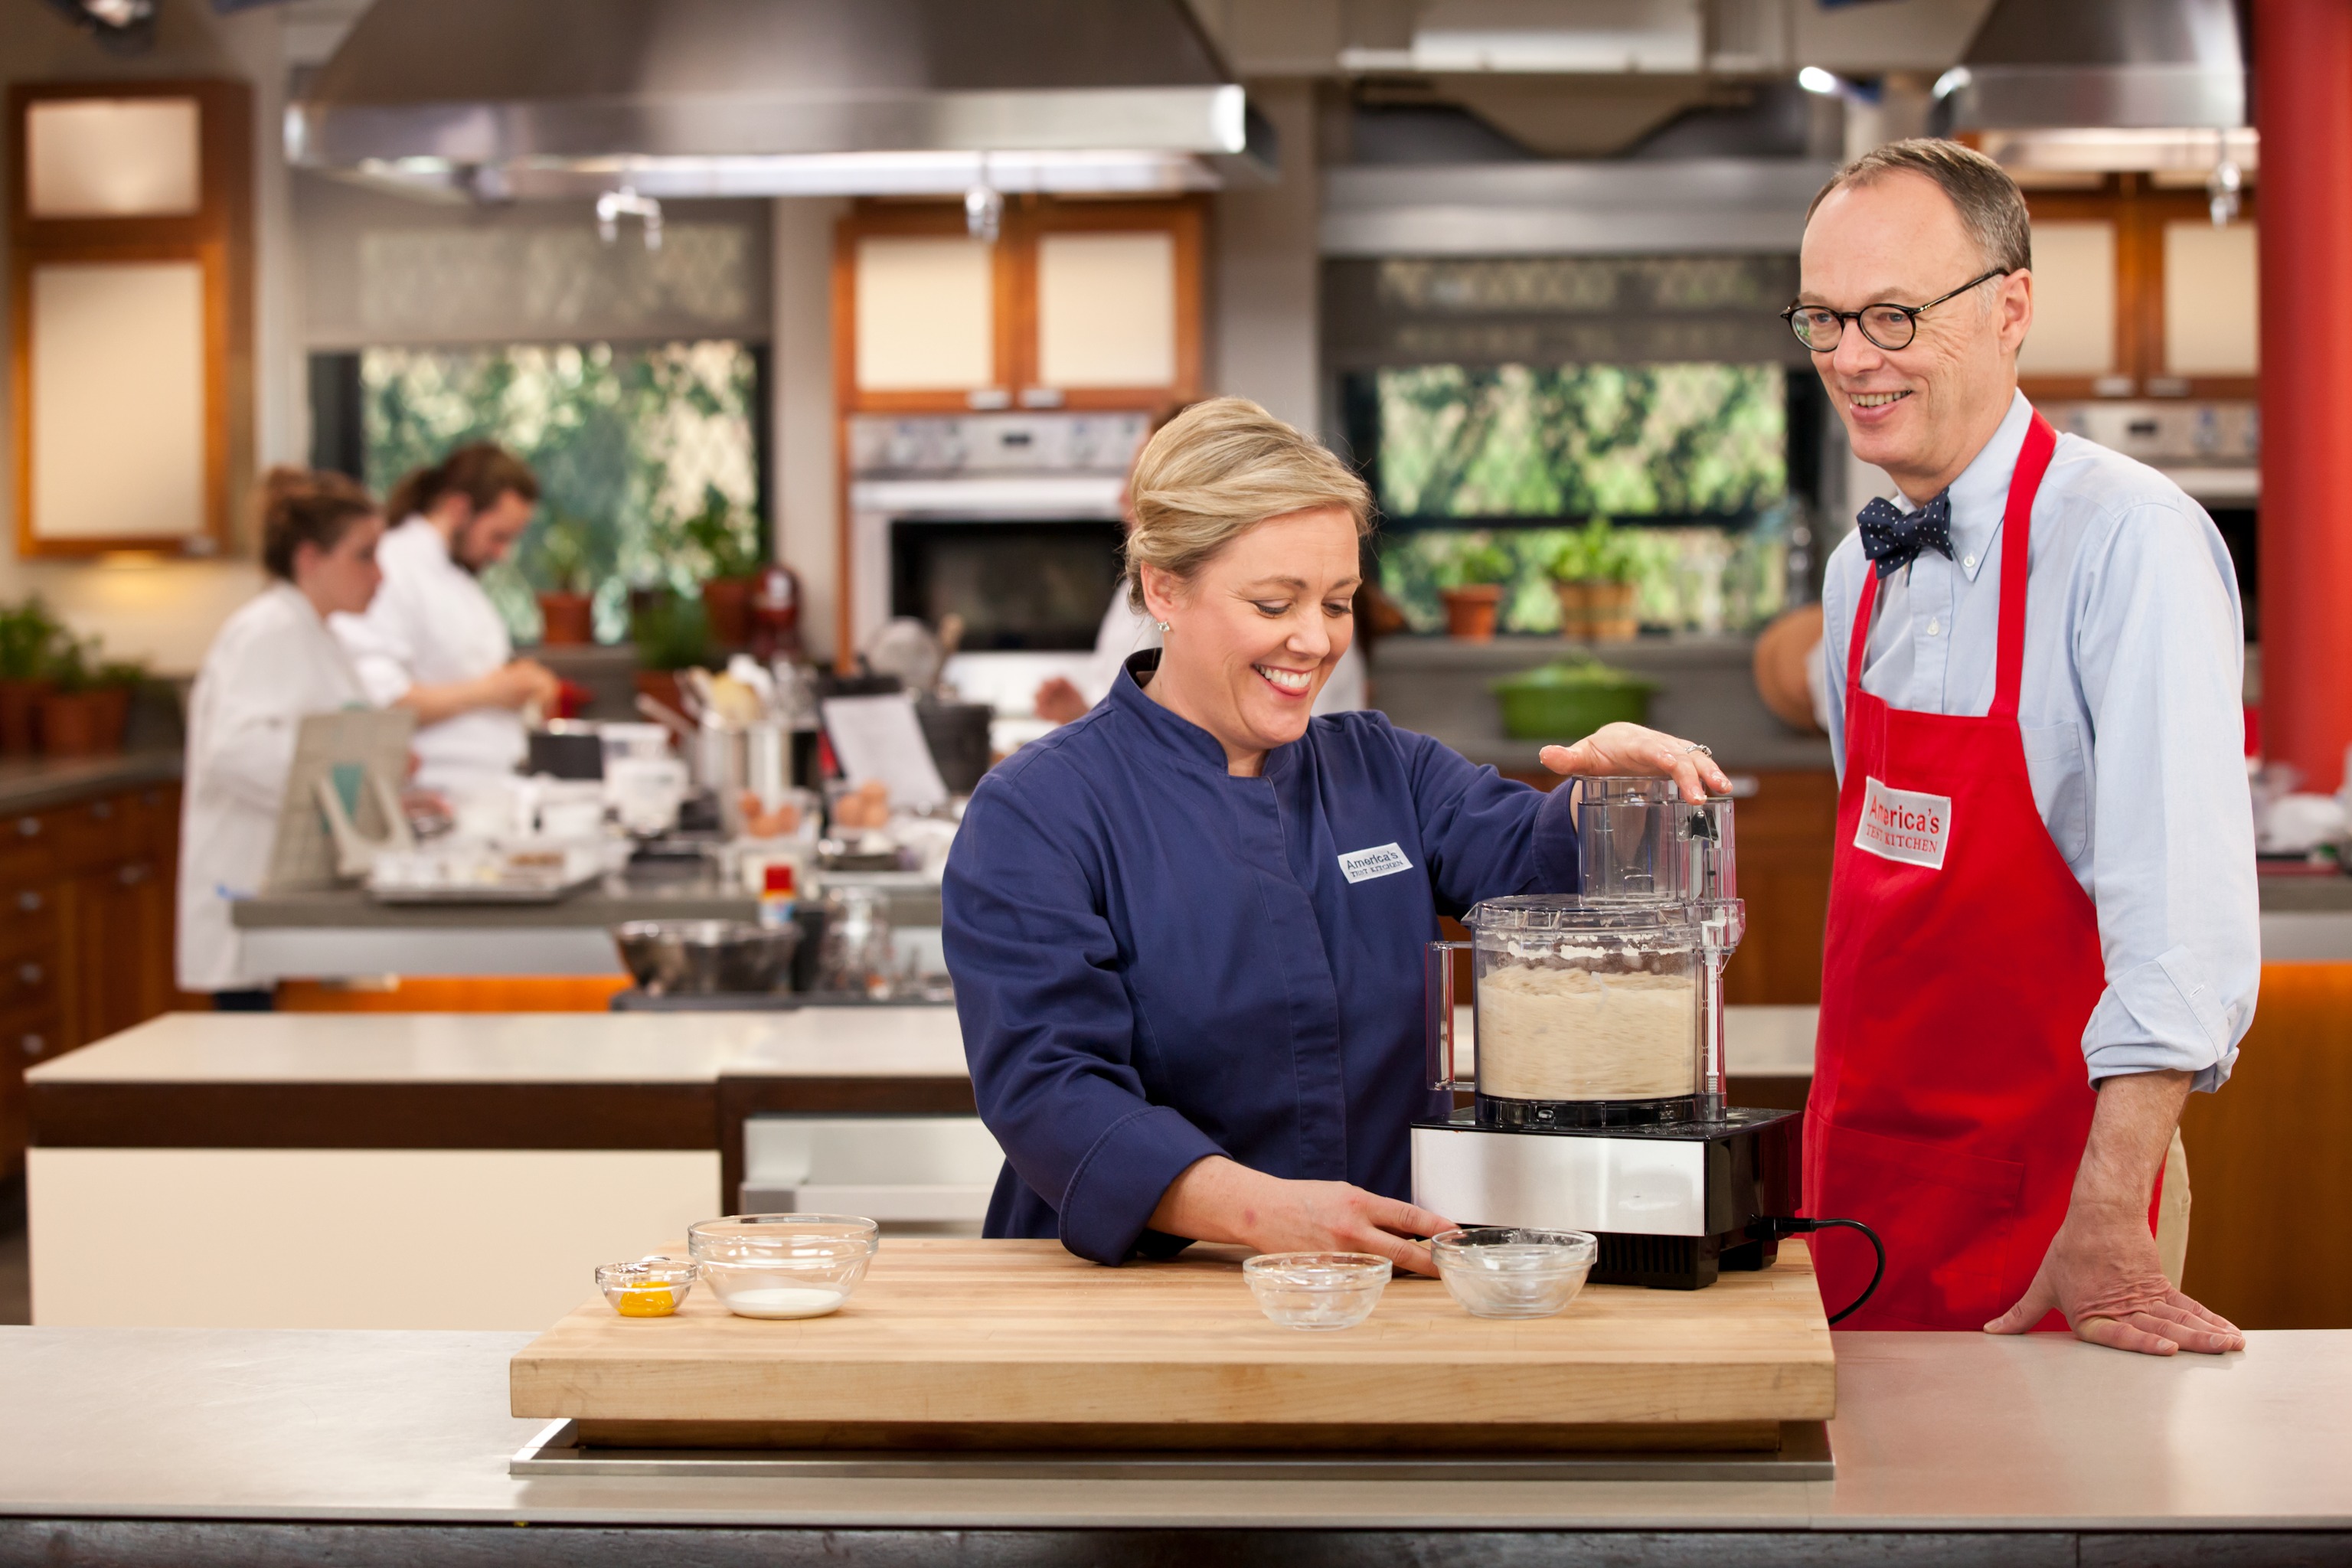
<point>1218,469</point>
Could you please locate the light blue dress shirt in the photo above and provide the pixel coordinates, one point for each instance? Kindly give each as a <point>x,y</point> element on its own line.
<point>2134,729</point>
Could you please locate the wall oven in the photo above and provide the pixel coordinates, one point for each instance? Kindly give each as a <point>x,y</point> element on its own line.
<point>1009,521</point>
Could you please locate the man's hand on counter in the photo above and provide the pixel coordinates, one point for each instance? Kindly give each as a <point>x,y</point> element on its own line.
<point>2102,1270</point>
<point>1217,1199</point>
<point>1629,750</point>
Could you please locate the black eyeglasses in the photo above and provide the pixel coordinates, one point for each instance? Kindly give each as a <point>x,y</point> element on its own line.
<point>1891,327</point>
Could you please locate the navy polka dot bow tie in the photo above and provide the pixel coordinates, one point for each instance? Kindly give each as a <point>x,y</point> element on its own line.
<point>1891,537</point>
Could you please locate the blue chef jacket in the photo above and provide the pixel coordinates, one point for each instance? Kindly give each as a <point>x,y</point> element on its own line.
<point>1155,960</point>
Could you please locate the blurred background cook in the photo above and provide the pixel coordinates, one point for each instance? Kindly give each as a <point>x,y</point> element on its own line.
<point>433,641</point>
<point>274,663</point>
<point>1186,929</point>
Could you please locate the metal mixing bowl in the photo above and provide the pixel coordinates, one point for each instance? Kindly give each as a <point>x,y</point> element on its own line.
<point>706,958</point>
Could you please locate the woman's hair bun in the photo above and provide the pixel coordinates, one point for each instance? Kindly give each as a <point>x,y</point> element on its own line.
<point>306,506</point>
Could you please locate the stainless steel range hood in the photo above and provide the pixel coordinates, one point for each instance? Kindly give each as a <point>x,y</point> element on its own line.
<point>522,98</point>
<point>2115,64</point>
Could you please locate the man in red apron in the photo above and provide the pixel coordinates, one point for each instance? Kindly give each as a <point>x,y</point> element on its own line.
<point>2032,958</point>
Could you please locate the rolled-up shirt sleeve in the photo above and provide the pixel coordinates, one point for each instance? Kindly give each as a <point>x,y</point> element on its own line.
<point>1485,836</point>
<point>2158,647</point>
<point>1049,1032</point>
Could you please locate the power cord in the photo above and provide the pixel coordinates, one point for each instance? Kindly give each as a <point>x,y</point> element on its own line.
<point>1773,1225</point>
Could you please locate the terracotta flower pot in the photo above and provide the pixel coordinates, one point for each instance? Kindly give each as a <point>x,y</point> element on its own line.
<point>568,619</point>
<point>1575,609</point>
<point>1470,613</point>
<point>1613,612</point>
<point>20,715</point>
<point>727,602</point>
<point>85,723</point>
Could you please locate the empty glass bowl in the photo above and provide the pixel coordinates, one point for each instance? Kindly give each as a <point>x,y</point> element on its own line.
<point>782,1264</point>
<point>1316,1289</point>
<point>651,1287</point>
<point>1496,1271</point>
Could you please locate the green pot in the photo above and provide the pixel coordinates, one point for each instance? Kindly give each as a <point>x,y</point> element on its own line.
<point>1567,702</point>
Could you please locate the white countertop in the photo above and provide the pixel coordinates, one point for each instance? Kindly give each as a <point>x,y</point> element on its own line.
<point>629,1047</point>
<point>1934,1431</point>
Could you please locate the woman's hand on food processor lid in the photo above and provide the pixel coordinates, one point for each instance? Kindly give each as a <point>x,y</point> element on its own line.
<point>1632,749</point>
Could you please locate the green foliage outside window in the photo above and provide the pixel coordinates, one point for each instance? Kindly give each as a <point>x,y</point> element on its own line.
<point>1576,441</point>
<point>647,459</point>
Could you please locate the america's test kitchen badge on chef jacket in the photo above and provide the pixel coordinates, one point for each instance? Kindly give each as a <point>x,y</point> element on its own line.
<point>432,624</point>
<point>1949,1106</point>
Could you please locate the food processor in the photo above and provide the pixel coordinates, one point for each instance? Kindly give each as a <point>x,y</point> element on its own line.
<point>1596,1092</point>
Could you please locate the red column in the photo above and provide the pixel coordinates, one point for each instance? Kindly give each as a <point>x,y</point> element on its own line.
<point>2303,102</point>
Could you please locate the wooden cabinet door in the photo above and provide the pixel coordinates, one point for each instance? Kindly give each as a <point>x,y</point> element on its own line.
<point>118,919</point>
<point>1112,294</point>
<point>923,313</point>
<point>1787,836</point>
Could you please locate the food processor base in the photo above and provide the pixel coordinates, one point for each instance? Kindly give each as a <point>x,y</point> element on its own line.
<point>1671,1202</point>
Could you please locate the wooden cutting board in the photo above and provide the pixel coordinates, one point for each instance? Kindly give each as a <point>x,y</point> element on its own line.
<point>1017,1344</point>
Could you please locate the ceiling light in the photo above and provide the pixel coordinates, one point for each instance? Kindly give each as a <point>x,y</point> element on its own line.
<point>1952,81</point>
<point>1812,78</point>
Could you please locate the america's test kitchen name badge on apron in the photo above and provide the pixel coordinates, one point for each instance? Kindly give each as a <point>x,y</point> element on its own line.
<point>1904,825</point>
<point>1380,860</point>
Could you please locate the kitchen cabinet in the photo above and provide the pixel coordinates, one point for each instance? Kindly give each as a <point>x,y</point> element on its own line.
<point>1074,305</point>
<point>87,895</point>
<point>131,290</point>
<point>2136,294</point>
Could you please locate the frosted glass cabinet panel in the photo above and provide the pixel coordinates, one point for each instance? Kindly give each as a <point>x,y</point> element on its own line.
<point>112,157</point>
<point>2212,307</point>
<point>1106,310</point>
<point>2073,331</point>
<point>926,318</point>
<point>118,405</point>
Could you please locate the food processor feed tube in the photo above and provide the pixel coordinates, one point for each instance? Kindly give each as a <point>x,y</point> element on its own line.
<point>1712,881</point>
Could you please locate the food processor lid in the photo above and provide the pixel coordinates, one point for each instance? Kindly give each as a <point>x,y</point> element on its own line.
<point>1539,912</point>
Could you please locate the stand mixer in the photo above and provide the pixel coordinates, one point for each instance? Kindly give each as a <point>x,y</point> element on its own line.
<point>1596,1096</point>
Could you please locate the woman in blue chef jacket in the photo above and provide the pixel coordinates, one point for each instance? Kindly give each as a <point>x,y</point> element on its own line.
<point>1186,929</point>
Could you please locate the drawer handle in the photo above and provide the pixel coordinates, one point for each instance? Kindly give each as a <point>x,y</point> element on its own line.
<point>31,974</point>
<point>28,827</point>
<point>34,1045</point>
<point>132,875</point>
<point>29,901</point>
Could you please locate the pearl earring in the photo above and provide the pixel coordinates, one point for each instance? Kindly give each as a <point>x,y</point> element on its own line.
<point>1162,625</point>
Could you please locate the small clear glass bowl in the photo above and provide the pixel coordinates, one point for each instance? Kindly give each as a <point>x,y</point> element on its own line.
<point>1316,1289</point>
<point>1498,1271</point>
<point>782,1264</point>
<point>651,1287</point>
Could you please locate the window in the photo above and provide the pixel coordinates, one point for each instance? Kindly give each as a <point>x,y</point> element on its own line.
<point>1694,456</point>
<point>628,440</point>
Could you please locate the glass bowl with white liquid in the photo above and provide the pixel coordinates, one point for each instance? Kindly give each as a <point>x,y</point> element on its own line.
<point>782,1264</point>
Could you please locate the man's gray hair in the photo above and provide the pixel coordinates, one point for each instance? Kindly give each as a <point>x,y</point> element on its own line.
<point>1991,207</point>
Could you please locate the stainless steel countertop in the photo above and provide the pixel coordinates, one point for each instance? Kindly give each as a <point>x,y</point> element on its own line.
<point>1935,1432</point>
<point>29,783</point>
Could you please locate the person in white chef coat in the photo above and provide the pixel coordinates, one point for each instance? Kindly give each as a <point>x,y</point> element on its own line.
<point>274,663</point>
<point>433,641</point>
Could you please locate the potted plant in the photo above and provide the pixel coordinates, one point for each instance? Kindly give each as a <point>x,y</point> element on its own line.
<point>88,705</point>
<point>563,564</point>
<point>672,632</point>
<point>1470,582</point>
<point>1593,574</point>
<point>727,542</point>
<point>28,636</point>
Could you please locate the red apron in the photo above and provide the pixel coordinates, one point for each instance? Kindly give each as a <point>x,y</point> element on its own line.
<point>1949,1104</point>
